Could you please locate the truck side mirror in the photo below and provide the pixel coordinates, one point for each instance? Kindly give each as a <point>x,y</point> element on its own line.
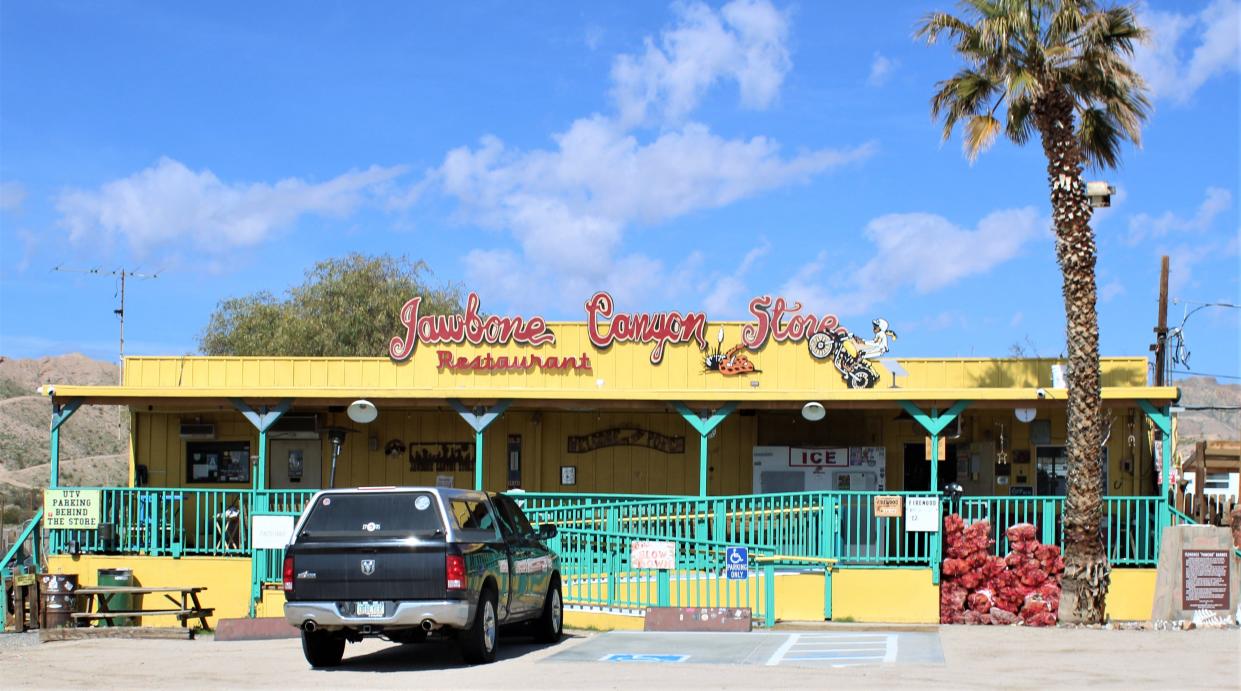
<point>547,531</point>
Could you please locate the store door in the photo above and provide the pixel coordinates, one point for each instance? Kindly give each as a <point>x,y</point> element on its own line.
<point>918,469</point>
<point>295,464</point>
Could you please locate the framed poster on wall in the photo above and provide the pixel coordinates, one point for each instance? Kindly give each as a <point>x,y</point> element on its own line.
<point>217,461</point>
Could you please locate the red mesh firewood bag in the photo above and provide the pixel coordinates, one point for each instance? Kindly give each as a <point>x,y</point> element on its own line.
<point>1044,619</point>
<point>981,601</point>
<point>1002,616</point>
<point>954,567</point>
<point>1032,574</point>
<point>1021,532</point>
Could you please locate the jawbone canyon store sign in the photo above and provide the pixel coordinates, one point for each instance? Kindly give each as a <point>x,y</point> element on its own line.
<point>773,319</point>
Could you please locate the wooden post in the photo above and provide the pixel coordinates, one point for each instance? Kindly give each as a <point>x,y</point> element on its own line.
<point>1161,329</point>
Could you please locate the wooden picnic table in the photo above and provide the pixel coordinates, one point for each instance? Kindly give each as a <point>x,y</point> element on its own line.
<point>184,600</point>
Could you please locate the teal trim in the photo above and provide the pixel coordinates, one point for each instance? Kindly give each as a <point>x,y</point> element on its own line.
<point>704,425</point>
<point>1162,417</point>
<point>32,529</point>
<point>479,422</point>
<point>60,413</point>
<point>265,417</point>
<point>934,423</point>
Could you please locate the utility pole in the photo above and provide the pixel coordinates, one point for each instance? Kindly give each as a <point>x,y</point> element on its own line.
<point>121,274</point>
<point>1161,329</point>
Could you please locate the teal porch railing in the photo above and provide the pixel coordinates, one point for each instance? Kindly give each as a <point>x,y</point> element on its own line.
<point>165,521</point>
<point>1130,525</point>
<point>596,570</point>
<point>837,525</point>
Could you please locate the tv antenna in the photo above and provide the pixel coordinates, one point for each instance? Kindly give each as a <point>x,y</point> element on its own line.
<point>120,275</point>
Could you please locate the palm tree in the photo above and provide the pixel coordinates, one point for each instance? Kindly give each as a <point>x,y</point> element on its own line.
<point>1060,68</point>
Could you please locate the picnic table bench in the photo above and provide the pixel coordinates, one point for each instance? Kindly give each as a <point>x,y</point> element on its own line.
<point>185,604</point>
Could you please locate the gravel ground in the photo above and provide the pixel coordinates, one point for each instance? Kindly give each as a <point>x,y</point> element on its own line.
<point>9,641</point>
<point>981,657</point>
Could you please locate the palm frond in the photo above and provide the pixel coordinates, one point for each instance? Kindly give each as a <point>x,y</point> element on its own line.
<point>967,93</point>
<point>1099,138</point>
<point>1019,121</point>
<point>980,133</point>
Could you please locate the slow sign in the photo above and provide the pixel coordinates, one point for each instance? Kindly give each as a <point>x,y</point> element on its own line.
<point>652,555</point>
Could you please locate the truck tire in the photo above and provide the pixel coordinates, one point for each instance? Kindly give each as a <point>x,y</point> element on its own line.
<point>550,625</point>
<point>478,643</point>
<point>322,649</point>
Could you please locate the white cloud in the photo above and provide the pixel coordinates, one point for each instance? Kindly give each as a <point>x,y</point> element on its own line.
<point>1144,227</point>
<point>922,251</point>
<point>1187,50</point>
<point>881,69</point>
<point>12,194</point>
<point>744,41</point>
<point>1184,258</point>
<point>1111,290</point>
<point>726,295</point>
<point>169,203</point>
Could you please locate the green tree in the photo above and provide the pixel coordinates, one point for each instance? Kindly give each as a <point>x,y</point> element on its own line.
<point>345,307</point>
<point>1061,69</point>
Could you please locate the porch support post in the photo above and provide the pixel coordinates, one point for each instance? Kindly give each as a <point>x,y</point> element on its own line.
<point>704,424</point>
<point>1162,418</point>
<point>60,413</point>
<point>262,419</point>
<point>934,424</point>
<point>479,422</point>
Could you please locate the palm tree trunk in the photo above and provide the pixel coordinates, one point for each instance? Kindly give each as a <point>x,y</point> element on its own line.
<point>1086,571</point>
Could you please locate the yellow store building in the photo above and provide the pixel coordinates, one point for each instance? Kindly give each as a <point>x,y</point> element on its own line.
<point>783,434</point>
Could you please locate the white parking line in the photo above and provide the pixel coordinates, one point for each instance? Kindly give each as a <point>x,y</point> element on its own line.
<point>837,649</point>
<point>784,648</point>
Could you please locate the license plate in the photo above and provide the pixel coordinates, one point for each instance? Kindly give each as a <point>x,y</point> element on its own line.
<point>370,608</point>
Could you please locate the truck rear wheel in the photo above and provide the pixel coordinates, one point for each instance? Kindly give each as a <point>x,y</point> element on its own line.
<point>550,625</point>
<point>322,649</point>
<point>478,643</point>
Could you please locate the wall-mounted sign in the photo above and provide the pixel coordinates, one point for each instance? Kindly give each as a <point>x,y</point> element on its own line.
<point>470,327</point>
<point>818,458</point>
<point>922,515</point>
<point>775,319</point>
<point>568,475</point>
<point>441,455</point>
<point>449,361</point>
<point>888,506</point>
<point>71,509</point>
<point>270,531</point>
<point>652,555</point>
<point>626,436</point>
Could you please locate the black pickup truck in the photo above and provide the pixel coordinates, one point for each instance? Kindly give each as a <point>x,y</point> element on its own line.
<point>412,563</point>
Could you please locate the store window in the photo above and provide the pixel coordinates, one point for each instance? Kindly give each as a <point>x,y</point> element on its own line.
<point>1052,466</point>
<point>217,461</point>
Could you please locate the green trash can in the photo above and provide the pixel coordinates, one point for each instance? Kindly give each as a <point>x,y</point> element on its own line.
<point>121,602</point>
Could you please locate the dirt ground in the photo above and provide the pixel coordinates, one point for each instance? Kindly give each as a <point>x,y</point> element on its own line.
<point>975,657</point>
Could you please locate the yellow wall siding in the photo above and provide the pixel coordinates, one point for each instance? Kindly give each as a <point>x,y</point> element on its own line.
<point>227,580</point>
<point>620,370</point>
<point>1131,595</point>
<point>900,596</point>
<point>628,469</point>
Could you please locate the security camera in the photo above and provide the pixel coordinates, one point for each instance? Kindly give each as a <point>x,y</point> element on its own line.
<point>49,390</point>
<point>1042,393</point>
<point>1100,194</point>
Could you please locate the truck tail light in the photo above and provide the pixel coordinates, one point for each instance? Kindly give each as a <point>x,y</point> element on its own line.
<point>288,574</point>
<point>454,570</point>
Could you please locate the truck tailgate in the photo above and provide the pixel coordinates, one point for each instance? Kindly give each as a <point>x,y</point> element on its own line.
<point>327,571</point>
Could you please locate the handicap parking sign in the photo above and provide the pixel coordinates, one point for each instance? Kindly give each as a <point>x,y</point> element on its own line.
<point>737,563</point>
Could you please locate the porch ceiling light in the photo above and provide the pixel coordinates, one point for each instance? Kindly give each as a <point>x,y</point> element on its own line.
<point>362,411</point>
<point>1025,414</point>
<point>813,411</point>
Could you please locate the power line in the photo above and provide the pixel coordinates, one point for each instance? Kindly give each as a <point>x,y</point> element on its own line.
<point>1206,374</point>
<point>120,275</point>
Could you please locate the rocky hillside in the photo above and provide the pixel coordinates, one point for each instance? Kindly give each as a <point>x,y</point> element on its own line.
<point>92,443</point>
<point>1198,425</point>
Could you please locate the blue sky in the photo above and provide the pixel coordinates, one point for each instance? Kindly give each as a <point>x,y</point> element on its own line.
<point>683,156</point>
